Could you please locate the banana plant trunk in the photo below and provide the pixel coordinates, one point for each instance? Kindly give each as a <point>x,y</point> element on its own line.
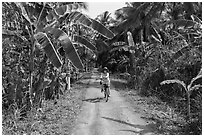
<point>31,62</point>
<point>38,86</point>
<point>68,76</point>
<point>132,48</point>
<point>188,106</point>
<point>141,35</point>
<point>132,59</point>
<point>132,64</point>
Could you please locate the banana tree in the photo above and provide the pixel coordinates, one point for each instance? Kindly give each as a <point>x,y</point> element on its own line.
<point>60,20</point>
<point>47,26</point>
<point>188,89</point>
<point>132,47</point>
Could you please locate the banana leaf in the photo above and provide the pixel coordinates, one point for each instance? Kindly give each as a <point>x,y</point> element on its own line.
<point>68,47</point>
<point>102,29</point>
<point>49,49</point>
<point>174,81</point>
<point>180,23</point>
<point>61,10</point>
<point>84,41</point>
<point>101,46</point>
<point>178,54</point>
<point>78,17</point>
<point>194,79</point>
<point>24,13</point>
<point>67,8</point>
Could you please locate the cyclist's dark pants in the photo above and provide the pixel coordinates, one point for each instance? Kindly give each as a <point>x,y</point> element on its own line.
<point>107,88</point>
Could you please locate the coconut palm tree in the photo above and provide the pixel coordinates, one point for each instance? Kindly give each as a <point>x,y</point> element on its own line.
<point>139,15</point>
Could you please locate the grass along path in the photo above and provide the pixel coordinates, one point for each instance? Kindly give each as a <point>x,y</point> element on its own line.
<point>56,119</point>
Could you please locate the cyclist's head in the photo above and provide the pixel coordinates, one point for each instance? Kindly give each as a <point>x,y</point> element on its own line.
<point>105,69</point>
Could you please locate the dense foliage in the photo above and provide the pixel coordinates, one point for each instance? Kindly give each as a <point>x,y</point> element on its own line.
<point>168,45</point>
<point>42,46</point>
<point>156,46</point>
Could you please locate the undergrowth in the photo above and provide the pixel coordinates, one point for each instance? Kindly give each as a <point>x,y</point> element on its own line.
<point>52,119</point>
<point>166,118</point>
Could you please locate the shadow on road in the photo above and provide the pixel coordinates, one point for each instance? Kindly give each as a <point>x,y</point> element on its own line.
<point>119,84</point>
<point>143,129</point>
<point>94,100</point>
<point>94,84</point>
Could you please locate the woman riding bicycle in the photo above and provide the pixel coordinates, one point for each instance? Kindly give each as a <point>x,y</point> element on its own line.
<point>105,80</point>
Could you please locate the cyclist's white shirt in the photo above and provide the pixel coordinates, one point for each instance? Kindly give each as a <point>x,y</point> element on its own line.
<point>105,78</point>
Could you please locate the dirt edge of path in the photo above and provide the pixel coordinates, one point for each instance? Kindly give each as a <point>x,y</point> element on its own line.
<point>152,109</point>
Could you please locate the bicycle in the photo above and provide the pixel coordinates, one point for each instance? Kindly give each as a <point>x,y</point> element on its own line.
<point>106,93</point>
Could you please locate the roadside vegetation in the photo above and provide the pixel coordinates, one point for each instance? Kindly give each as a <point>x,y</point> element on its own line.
<point>55,117</point>
<point>167,120</point>
<point>164,63</point>
<point>155,47</point>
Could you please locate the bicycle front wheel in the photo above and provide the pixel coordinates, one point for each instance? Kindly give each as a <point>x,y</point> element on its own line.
<point>106,94</point>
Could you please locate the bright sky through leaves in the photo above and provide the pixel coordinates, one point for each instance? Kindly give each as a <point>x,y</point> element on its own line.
<point>96,8</point>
